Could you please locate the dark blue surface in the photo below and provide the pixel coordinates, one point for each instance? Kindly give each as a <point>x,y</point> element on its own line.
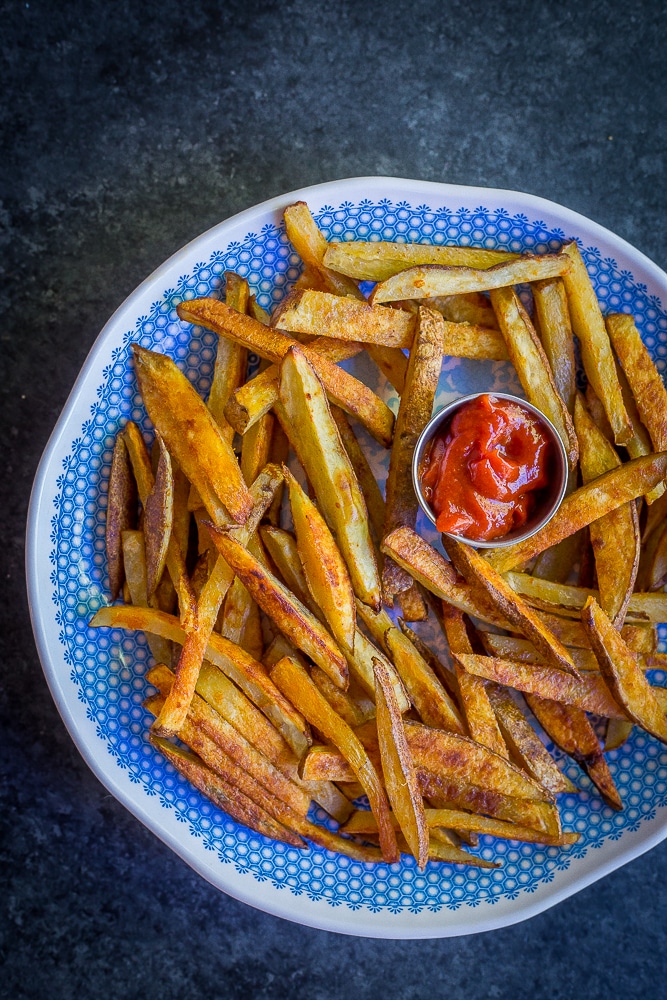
<point>127,129</point>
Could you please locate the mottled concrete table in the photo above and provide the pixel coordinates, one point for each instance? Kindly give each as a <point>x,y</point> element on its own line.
<point>129,128</point>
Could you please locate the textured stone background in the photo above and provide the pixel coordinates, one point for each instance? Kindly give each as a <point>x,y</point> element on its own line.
<point>128,129</point>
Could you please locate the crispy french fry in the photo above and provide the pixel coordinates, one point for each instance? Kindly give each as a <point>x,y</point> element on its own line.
<point>159,519</point>
<point>306,238</point>
<point>587,504</point>
<point>365,476</point>
<point>379,261</point>
<point>295,683</point>
<point>324,315</point>
<point>134,562</point>
<point>645,381</point>
<point>256,447</point>
<point>511,647</point>
<point>361,666</point>
<point>231,360</point>
<point>596,353</point>
<point>426,280</point>
<point>392,362</point>
<point>281,546</point>
<point>182,418</point>
<point>412,604</point>
<point>567,600</point>
<point>323,566</point>
<point>353,710</point>
<point>284,609</point>
<point>530,361</point>
<point>236,612</point>
<point>444,673</point>
<point>479,713</point>
<point>622,672</point>
<point>556,335</point>
<point>479,573</point>
<point>344,389</point>
<point>121,512</point>
<point>614,537</point>
<point>398,768</point>
<point>468,340</point>
<point>308,423</point>
<point>414,412</point>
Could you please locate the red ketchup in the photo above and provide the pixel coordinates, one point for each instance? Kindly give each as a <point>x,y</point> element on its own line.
<point>483,473</point>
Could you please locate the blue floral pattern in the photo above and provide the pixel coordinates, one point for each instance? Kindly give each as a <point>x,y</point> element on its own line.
<point>108,667</point>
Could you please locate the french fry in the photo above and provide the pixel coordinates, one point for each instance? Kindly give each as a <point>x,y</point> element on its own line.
<point>392,362</point>
<point>231,360</point>
<point>236,612</point>
<point>323,566</point>
<point>306,238</point>
<point>181,418</point>
<point>134,562</point>
<point>596,353</point>
<point>379,261</point>
<point>414,412</point>
<point>121,512</point>
<point>427,280</point>
<point>622,672</point>
<point>589,692</point>
<point>570,730</point>
<point>645,381</point>
<point>321,314</point>
<point>309,425</point>
<point>445,674</point>
<point>361,666</point>
<point>468,340</point>
<point>479,573</point>
<point>587,504</point>
<point>159,519</point>
<point>284,609</point>
<point>255,448</point>
<point>526,748</point>
<point>530,361</point>
<point>564,599</point>
<point>479,713</point>
<point>511,647</point>
<point>295,684</point>
<point>365,477</point>
<point>353,710</point>
<point>473,308</point>
<point>344,389</point>
<point>412,604</point>
<point>398,768</point>
<point>556,335</point>
<point>614,537</point>
<point>281,546</point>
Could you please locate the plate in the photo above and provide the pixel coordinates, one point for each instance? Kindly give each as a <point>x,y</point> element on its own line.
<point>97,676</point>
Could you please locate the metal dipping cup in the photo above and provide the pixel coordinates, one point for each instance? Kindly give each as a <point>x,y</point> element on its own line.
<point>552,496</point>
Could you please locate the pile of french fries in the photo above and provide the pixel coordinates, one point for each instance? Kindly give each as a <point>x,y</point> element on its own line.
<point>281,679</point>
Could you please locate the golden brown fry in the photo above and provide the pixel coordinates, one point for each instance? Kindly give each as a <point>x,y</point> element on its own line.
<point>379,261</point>
<point>412,604</point>
<point>183,420</point>
<point>445,674</point>
<point>468,340</point>
<point>159,519</point>
<point>295,683</point>
<point>596,353</point>
<point>622,672</point>
<point>645,381</point>
<point>231,360</point>
<point>398,767</point>
<point>530,361</point>
<point>361,666</point>
<point>256,447</point>
<point>570,730</point>
<point>556,335</point>
<point>479,573</point>
<point>344,389</point>
<point>479,713</point>
<point>427,280</point>
<point>392,362</point>
<point>306,238</point>
<point>567,600</point>
<point>414,412</point>
<point>284,609</point>
<point>365,476</point>
<point>236,612</point>
<point>587,504</point>
<point>134,562</point>
<point>121,512</point>
<point>614,537</point>
<point>281,546</point>
<point>323,565</point>
<point>308,423</point>
<point>321,314</point>
<point>353,706</point>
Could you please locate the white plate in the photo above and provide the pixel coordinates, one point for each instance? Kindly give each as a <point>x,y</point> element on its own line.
<point>97,676</point>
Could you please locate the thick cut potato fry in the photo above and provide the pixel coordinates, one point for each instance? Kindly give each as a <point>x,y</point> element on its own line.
<point>622,672</point>
<point>427,280</point>
<point>589,692</point>
<point>645,381</point>
<point>323,565</point>
<point>510,647</point>
<point>468,340</point>
<point>121,512</point>
<point>564,599</point>
<point>365,476</point>
<point>398,768</point>
<point>555,328</point>
<point>284,609</point>
<point>587,504</point>
<point>296,685</point>
<point>306,238</point>
<point>236,612</point>
<point>530,361</point>
<point>308,423</point>
<point>253,400</point>
<point>570,730</point>
<point>192,436</point>
<point>478,573</point>
<point>443,672</point>
<point>414,412</point>
<point>479,713</point>
<point>379,261</point>
<point>250,675</point>
<point>281,546</point>
<point>614,537</point>
<point>392,362</point>
<point>159,519</point>
<point>361,665</point>
<point>320,314</point>
<point>134,562</point>
<point>525,746</point>
<point>596,353</point>
<point>231,360</point>
<point>353,710</point>
<point>256,447</point>
<point>344,389</point>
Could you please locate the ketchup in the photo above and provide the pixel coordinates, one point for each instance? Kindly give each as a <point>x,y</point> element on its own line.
<point>482,475</point>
